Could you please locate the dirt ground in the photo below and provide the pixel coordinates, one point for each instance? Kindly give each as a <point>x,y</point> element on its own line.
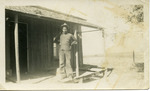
<point>123,76</point>
<point>114,81</point>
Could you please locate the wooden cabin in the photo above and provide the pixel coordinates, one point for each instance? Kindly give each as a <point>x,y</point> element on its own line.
<point>29,38</point>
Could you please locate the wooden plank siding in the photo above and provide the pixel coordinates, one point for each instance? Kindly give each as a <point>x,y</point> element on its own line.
<point>78,47</point>
<point>40,42</point>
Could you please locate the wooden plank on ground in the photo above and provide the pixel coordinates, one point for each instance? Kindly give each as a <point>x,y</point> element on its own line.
<point>85,75</point>
<point>93,69</point>
<point>97,69</point>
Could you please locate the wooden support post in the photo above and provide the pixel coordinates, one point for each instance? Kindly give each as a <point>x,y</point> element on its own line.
<point>17,49</point>
<point>77,61</point>
<point>80,54</point>
<point>77,65</point>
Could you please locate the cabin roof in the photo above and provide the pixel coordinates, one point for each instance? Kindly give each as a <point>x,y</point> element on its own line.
<point>48,13</point>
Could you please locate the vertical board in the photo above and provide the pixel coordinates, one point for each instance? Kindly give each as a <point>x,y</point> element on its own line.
<point>40,45</point>
<point>80,46</point>
<point>7,39</point>
<point>49,31</point>
<point>73,50</point>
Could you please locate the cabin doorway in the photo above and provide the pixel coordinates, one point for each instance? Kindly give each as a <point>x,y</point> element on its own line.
<point>22,36</point>
<point>23,47</point>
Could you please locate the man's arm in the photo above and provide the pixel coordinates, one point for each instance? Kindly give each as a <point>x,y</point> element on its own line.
<point>74,40</point>
<point>56,39</point>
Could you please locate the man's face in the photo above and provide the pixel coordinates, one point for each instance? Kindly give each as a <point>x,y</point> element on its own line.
<point>64,29</point>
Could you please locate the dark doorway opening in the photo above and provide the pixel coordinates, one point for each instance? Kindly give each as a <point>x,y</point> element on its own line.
<point>22,36</point>
<point>23,47</point>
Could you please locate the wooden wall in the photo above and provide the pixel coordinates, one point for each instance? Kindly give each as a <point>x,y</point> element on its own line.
<point>78,47</point>
<point>40,42</point>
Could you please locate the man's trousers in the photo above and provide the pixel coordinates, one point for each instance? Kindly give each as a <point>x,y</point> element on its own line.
<point>65,62</point>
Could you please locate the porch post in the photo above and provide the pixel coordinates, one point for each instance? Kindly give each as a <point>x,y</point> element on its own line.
<point>17,49</point>
<point>77,61</point>
<point>80,51</point>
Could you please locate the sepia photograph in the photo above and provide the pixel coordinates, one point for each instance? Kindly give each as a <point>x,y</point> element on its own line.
<point>78,45</point>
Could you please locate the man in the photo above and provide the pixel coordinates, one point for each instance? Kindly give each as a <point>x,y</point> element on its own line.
<point>66,41</point>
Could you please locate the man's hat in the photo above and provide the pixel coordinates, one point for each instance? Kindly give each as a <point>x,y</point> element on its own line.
<point>65,25</point>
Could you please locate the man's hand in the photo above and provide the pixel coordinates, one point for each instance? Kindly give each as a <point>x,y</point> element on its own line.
<point>74,42</point>
<point>56,40</point>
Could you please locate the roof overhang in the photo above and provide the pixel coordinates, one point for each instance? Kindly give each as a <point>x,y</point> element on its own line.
<point>47,13</point>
